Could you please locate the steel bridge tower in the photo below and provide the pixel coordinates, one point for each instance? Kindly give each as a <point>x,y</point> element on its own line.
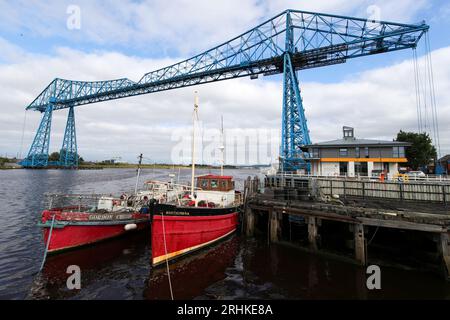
<point>295,133</point>
<point>69,154</point>
<point>38,154</point>
<point>291,41</point>
<point>39,151</point>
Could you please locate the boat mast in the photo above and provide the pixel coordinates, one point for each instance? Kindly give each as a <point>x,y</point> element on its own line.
<point>194,118</point>
<point>222,149</point>
<point>138,173</point>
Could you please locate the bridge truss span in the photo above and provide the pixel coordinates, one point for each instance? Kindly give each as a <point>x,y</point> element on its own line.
<point>291,41</point>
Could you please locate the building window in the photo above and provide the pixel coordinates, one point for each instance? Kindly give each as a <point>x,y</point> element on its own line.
<point>343,152</point>
<point>395,152</point>
<point>357,152</point>
<point>315,152</point>
<point>398,152</point>
<point>366,152</point>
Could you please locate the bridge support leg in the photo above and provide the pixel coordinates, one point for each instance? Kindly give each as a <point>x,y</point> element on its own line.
<point>38,154</point>
<point>69,154</point>
<point>295,132</point>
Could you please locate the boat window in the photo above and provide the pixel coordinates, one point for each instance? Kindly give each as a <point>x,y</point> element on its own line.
<point>214,184</point>
<point>204,183</point>
<point>224,184</point>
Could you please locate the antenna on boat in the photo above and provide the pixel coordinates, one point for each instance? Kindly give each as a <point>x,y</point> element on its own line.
<point>194,118</point>
<point>222,149</point>
<point>138,173</point>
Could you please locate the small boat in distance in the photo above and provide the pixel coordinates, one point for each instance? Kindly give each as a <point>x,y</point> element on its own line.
<point>196,218</point>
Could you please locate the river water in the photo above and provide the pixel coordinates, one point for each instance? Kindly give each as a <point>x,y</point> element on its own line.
<point>237,268</point>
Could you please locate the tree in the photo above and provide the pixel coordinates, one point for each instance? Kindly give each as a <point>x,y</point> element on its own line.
<point>421,152</point>
<point>3,161</point>
<point>54,156</point>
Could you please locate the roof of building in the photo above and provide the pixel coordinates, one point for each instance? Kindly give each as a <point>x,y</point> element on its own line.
<point>445,158</point>
<point>358,142</point>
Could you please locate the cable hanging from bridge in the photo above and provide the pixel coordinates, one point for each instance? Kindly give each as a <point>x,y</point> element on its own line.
<point>425,90</point>
<point>432,90</point>
<point>417,91</point>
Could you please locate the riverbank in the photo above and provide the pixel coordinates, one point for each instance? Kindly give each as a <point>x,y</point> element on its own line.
<point>124,166</point>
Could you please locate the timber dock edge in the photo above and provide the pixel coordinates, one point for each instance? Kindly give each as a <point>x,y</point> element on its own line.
<point>304,202</point>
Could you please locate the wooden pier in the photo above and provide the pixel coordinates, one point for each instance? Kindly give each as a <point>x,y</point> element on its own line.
<point>361,220</point>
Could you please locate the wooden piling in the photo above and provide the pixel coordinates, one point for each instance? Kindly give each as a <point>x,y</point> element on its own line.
<point>360,246</point>
<point>275,226</point>
<point>444,250</point>
<point>421,207</point>
<point>249,222</point>
<point>312,233</point>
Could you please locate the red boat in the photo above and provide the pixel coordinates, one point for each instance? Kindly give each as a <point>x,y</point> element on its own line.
<point>197,218</point>
<point>71,227</point>
<point>195,222</point>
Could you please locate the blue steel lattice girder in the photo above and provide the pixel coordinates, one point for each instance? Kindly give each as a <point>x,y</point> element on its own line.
<point>295,133</point>
<point>38,154</point>
<point>69,153</point>
<point>319,40</point>
<point>293,40</point>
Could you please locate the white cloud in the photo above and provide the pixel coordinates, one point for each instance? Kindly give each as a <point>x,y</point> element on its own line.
<point>129,126</point>
<point>377,103</point>
<point>168,27</point>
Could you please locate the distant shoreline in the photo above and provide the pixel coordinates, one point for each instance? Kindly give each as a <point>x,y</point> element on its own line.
<point>129,166</point>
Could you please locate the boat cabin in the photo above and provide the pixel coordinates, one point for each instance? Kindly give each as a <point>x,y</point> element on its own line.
<point>215,183</point>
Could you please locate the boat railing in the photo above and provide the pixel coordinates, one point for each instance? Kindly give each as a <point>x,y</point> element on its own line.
<point>78,202</point>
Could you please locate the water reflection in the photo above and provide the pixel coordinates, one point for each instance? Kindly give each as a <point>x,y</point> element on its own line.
<point>191,275</point>
<point>96,262</point>
<point>238,268</point>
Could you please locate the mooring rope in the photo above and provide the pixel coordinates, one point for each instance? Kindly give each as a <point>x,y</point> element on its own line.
<point>48,244</point>
<point>373,236</point>
<point>167,258</point>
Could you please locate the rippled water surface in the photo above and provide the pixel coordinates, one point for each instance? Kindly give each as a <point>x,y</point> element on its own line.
<point>237,268</point>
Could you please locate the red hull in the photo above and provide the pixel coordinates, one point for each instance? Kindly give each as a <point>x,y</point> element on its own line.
<point>184,234</point>
<point>72,237</point>
<point>77,230</point>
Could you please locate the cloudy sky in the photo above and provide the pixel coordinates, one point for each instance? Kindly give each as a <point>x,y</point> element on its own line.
<point>129,38</point>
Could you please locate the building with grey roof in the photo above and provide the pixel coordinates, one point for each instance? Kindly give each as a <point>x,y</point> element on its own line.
<point>350,156</point>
